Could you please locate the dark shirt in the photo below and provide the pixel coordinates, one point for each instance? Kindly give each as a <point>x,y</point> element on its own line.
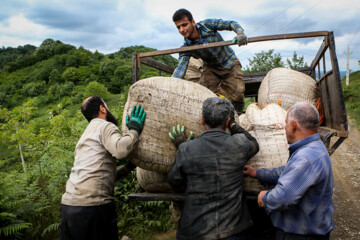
<point>211,167</point>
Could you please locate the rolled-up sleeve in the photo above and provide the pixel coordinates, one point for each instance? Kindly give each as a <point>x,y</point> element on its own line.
<point>180,70</point>
<point>119,146</point>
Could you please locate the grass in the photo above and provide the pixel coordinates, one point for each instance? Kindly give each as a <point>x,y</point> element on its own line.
<point>352,97</point>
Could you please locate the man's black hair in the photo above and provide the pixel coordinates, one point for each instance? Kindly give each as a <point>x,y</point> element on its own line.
<point>181,13</point>
<point>90,109</point>
<point>216,111</point>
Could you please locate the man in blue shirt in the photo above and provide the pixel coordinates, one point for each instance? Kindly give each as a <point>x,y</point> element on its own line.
<point>300,205</point>
<point>222,70</point>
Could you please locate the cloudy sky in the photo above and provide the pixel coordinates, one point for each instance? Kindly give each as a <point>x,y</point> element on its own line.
<point>108,25</point>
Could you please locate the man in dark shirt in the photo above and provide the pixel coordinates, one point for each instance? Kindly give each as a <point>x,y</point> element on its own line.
<point>211,169</point>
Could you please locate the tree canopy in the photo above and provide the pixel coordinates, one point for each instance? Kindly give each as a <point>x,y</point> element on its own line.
<point>41,91</point>
<point>264,61</point>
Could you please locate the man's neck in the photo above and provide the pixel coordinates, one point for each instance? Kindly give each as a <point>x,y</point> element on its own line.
<point>207,127</point>
<point>195,36</point>
<point>302,135</point>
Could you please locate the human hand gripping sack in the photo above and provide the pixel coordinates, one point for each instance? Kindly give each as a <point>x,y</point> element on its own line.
<point>178,135</point>
<point>137,119</point>
<point>240,39</point>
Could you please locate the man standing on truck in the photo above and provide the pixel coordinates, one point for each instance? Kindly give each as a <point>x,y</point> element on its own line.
<point>222,70</point>
<point>211,169</point>
<point>87,206</point>
<point>300,205</point>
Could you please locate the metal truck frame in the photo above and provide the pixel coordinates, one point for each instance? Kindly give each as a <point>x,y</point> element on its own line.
<point>328,82</point>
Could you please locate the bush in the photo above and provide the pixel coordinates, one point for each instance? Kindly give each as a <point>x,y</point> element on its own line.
<point>3,99</point>
<point>34,89</point>
<point>71,74</point>
<point>96,89</point>
<point>61,90</point>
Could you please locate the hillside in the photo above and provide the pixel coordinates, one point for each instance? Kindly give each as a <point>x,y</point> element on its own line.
<point>352,97</point>
<point>41,90</point>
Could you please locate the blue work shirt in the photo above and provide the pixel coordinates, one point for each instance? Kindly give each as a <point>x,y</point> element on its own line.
<point>219,57</point>
<point>301,202</point>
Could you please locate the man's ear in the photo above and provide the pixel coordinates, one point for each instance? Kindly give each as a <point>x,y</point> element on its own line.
<point>294,125</point>
<point>227,123</point>
<point>202,121</point>
<point>102,109</point>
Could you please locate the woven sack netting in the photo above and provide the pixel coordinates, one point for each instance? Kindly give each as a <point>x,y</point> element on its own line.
<point>288,85</point>
<point>152,181</point>
<point>167,101</point>
<point>268,127</point>
<point>194,70</point>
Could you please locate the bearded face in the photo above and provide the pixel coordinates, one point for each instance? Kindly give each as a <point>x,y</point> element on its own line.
<point>111,118</point>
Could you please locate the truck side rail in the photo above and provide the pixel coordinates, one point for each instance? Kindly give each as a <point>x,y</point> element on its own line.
<point>329,83</point>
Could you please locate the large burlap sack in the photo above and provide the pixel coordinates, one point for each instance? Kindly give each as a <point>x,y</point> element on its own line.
<point>194,70</point>
<point>152,181</point>
<point>268,127</point>
<point>288,85</point>
<point>167,101</point>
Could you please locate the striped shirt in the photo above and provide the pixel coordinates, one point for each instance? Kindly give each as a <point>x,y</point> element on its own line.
<point>220,57</point>
<point>301,202</point>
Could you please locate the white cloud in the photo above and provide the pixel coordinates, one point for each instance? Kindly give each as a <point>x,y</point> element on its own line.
<point>111,24</point>
<point>21,27</point>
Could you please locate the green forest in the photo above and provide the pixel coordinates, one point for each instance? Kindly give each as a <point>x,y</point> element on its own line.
<point>40,96</point>
<point>41,91</point>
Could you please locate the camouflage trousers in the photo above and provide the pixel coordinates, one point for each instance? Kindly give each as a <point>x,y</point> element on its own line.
<point>227,82</point>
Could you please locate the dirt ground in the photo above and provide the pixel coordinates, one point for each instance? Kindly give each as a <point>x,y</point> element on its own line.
<point>346,198</point>
<point>346,170</point>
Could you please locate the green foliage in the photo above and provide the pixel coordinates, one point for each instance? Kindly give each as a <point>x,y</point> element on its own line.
<point>71,74</point>
<point>41,90</point>
<point>10,224</point>
<point>122,77</point>
<point>55,76</point>
<point>10,54</point>
<point>34,89</point>
<point>47,49</point>
<point>296,62</point>
<point>264,61</point>
<point>95,88</point>
<point>138,219</point>
<point>61,90</point>
<point>352,96</point>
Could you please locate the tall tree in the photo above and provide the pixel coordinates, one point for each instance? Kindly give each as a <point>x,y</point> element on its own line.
<point>264,61</point>
<point>14,128</point>
<point>296,62</point>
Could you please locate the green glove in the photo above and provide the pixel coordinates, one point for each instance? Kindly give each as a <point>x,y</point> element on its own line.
<point>137,119</point>
<point>240,39</point>
<point>178,136</point>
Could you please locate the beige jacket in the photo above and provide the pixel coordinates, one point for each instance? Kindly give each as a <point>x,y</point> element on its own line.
<point>92,177</point>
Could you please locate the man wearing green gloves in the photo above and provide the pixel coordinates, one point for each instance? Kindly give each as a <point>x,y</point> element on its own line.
<point>210,168</point>
<point>222,70</point>
<point>87,206</point>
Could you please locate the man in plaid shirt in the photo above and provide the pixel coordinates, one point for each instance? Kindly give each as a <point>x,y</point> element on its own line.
<point>222,70</point>
<point>300,205</point>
